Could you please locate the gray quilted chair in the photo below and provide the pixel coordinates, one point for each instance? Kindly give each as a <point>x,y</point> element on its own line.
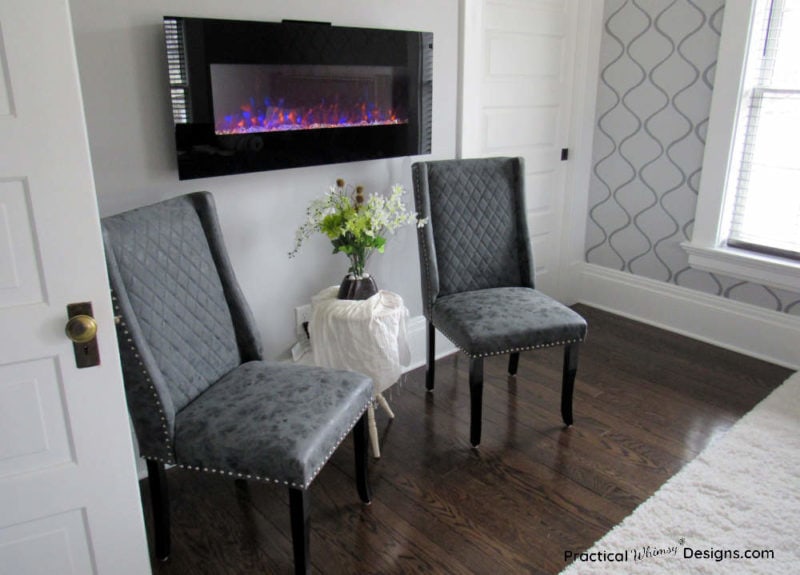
<point>477,273</point>
<point>199,393</point>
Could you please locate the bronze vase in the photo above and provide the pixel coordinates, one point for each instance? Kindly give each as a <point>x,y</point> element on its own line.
<point>357,287</point>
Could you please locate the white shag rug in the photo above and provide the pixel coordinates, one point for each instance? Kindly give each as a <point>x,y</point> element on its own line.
<point>739,498</point>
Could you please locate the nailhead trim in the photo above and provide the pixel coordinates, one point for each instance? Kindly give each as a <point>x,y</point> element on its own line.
<point>261,478</point>
<point>429,304</point>
<point>122,326</point>
<point>510,350</point>
<point>424,244</point>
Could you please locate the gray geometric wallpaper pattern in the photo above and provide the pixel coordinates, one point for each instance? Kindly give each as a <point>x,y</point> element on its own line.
<point>657,66</point>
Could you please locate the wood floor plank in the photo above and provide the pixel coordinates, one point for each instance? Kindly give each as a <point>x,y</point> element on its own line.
<point>646,403</point>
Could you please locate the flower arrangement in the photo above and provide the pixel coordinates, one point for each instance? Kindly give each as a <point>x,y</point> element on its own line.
<point>357,226</point>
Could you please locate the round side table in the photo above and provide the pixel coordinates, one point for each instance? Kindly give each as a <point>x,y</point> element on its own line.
<point>367,336</point>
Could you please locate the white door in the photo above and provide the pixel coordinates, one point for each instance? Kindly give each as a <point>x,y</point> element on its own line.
<point>69,499</point>
<point>517,96</point>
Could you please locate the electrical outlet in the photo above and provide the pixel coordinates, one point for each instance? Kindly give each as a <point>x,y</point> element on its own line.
<point>302,315</point>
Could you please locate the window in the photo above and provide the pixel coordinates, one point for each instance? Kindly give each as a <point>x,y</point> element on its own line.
<point>766,204</point>
<point>748,215</point>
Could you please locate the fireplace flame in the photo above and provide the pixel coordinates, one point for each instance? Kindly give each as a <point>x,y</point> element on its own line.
<point>279,118</point>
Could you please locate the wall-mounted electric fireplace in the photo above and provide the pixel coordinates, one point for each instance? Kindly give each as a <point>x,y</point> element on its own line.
<point>252,96</point>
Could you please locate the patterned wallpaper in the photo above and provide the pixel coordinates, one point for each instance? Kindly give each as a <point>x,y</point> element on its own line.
<point>657,67</point>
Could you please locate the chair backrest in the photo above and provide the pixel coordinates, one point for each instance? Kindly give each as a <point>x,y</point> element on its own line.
<point>477,233</point>
<point>184,322</point>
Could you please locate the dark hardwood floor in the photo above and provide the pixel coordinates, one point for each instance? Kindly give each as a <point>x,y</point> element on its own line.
<point>646,402</point>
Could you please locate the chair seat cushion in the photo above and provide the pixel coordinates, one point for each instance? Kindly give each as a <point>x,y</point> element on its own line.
<point>504,320</point>
<point>271,421</point>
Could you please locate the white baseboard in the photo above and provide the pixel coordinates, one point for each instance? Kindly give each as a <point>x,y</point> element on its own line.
<point>415,331</point>
<point>744,328</point>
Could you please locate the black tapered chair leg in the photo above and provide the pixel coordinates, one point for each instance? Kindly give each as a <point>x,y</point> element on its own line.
<point>360,446</point>
<point>568,381</point>
<point>513,363</point>
<point>300,511</point>
<point>430,368</point>
<point>475,399</point>
<point>159,499</point>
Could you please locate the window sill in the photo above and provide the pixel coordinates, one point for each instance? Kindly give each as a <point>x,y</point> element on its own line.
<point>757,268</point>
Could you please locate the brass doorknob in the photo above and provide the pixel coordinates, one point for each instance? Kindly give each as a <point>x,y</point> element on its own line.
<point>81,328</point>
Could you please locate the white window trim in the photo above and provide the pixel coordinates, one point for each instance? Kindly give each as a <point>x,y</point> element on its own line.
<point>707,250</point>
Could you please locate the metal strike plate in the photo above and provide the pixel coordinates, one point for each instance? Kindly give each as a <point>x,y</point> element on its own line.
<point>87,354</point>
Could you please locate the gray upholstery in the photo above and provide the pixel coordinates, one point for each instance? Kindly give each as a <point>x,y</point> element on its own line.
<point>164,261</point>
<point>293,418</point>
<point>503,320</point>
<point>477,236</point>
<point>476,261</point>
<point>198,393</point>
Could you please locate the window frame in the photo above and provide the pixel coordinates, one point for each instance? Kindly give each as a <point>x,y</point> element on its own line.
<point>707,249</point>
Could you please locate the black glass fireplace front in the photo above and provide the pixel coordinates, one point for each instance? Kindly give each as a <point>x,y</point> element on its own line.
<point>252,96</point>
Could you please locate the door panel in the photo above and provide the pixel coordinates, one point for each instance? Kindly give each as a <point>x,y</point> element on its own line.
<point>69,500</point>
<point>33,431</point>
<point>20,276</point>
<point>54,544</point>
<point>518,62</point>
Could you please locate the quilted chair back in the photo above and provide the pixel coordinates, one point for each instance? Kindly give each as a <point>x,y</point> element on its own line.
<point>477,234</point>
<point>173,287</point>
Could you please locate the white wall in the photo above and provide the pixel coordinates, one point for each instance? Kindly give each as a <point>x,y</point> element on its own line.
<point>125,91</point>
